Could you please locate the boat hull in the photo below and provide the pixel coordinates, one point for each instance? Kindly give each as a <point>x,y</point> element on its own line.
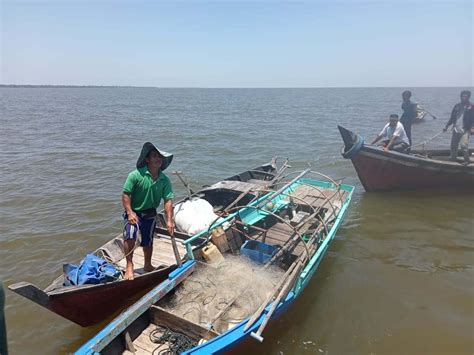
<point>87,305</point>
<point>94,304</point>
<point>385,171</point>
<point>380,171</point>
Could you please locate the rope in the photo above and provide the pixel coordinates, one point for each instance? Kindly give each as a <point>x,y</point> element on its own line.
<point>176,342</point>
<point>428,140</point>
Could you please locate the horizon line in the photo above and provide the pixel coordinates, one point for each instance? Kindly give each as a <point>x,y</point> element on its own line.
<point>215,87</point>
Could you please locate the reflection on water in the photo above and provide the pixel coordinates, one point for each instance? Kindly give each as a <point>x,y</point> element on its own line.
<point>398,276</point>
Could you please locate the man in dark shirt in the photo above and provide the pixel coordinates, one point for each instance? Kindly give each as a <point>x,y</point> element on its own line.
<point>409,113</point>
<point>461,129</point>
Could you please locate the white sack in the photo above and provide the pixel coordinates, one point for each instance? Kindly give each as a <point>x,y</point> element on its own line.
<point>194,216</point>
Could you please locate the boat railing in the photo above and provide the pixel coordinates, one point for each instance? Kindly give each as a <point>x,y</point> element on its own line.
<point>220,222</point>
<point>254,211</point>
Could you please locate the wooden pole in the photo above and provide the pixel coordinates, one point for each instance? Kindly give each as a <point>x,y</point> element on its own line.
<point>276,289</point>
<point>281,296</point>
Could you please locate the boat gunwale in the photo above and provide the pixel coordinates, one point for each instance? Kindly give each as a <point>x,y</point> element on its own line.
<point>113,329</point>
<point>418,160</point>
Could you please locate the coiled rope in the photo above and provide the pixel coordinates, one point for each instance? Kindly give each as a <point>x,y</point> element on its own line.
<point>176,342</point>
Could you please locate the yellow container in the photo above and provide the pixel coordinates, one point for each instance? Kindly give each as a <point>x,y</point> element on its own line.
<point>211,254</point>
<point>219,239</point>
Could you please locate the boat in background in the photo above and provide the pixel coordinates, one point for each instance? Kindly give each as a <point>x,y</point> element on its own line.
<point>421,169</point>
<point>420,115</point>
<point>89,304</point>
<point>289,230</point>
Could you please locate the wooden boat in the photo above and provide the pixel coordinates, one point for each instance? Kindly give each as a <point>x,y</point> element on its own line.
<point>89,304</point>
<point>298,222</point>
<point>421,169</point>
<point>420,115</point>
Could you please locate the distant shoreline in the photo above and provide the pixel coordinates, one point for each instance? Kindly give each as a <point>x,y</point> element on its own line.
<point>13,86</point>
<point>68,86</point>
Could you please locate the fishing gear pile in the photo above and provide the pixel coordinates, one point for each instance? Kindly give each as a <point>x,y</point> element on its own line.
<point>218,297</point>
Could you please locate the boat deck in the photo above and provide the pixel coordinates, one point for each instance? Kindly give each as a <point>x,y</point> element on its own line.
<point>240,186</point>
<point>143,345</point>
<point>279,234</point>
<point>317,197</point>
<point>163,254</point>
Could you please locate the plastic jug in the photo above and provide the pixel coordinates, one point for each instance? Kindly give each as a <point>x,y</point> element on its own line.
<point>219,239</point>
<point>211,254</point>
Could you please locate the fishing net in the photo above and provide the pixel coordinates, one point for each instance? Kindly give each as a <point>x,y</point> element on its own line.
<point>222,295</point>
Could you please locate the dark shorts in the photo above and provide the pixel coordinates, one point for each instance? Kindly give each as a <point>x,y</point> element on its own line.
<point>146,226</point>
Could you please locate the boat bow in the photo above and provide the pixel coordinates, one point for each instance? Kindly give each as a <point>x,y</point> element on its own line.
<point>352,143</point>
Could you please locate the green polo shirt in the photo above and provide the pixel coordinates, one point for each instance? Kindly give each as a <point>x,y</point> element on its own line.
<point>146,193</point>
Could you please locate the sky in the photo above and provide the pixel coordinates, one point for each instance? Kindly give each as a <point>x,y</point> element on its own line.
<point>265,43</point>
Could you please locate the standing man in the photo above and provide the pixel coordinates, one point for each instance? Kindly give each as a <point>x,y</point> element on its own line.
<point>409,113</point>
<point>394,136</point>
<point>461,130</point>
<point>142,194</point>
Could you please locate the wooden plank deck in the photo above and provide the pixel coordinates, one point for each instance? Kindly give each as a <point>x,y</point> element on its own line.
<point>162,255</point>
<point>279,234</point>
<point>143,344</point>
<point>239,186</point>
<point>317,197</point>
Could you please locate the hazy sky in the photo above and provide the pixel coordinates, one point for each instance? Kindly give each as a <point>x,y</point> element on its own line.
<point>238,44</point>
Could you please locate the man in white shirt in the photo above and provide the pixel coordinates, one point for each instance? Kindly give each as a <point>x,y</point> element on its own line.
<point>394,136</point>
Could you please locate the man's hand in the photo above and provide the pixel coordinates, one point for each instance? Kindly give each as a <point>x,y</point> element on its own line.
<point>385,149</point>
<point>170,227</point>
<point>169,216</point>
<point>132,217</point>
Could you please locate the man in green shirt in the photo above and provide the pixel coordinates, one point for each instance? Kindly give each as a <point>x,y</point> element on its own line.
<point>142,194</point>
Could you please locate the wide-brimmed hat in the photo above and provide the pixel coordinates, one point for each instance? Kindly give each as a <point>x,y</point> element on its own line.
<point>147,148</point>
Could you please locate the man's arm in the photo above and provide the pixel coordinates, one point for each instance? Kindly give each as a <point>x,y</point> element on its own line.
<point>391,143</point>
<point>169,216</point>
<point>127,205</point>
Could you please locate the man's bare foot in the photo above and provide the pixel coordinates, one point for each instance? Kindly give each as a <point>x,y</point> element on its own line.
<point>129,274</point>
<point>149,268</point>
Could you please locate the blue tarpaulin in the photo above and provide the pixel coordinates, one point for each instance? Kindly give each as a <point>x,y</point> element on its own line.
<point>91,270</point>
